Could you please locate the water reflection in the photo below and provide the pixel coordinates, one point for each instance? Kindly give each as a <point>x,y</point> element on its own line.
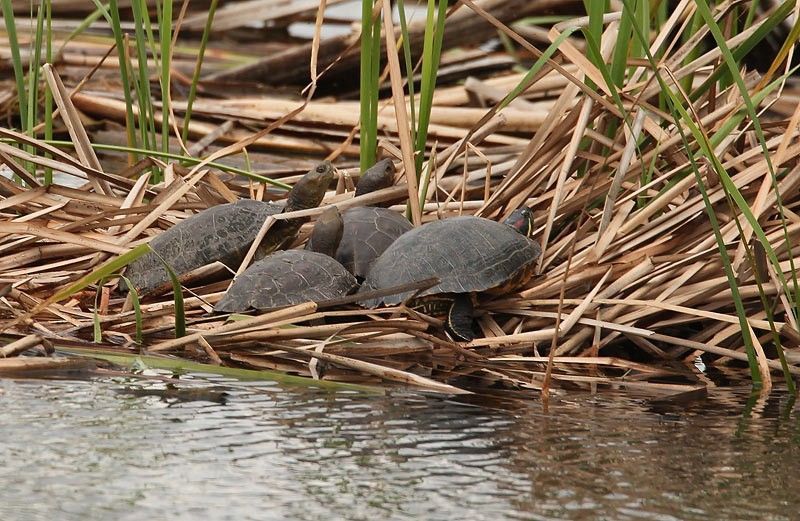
<point>83,450</point>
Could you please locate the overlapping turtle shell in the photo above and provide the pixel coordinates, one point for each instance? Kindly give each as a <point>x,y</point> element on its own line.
<point>221,233</point>
<point>368,231</point>
<point>466,254</point>
<point>286,278</point>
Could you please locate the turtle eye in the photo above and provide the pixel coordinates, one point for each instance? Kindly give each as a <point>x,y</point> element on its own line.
<point>322,168</point>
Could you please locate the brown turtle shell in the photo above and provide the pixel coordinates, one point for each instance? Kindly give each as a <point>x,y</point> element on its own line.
<point>286,278</point>
<point>368,231</point>
<point>467,254</point>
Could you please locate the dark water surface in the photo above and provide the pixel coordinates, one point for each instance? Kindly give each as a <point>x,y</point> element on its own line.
<point>77,450</point>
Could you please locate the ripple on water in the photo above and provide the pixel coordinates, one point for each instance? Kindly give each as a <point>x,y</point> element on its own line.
<point>81,450</point>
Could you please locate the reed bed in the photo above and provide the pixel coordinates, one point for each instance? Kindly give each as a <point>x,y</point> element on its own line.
<point>663,176</point>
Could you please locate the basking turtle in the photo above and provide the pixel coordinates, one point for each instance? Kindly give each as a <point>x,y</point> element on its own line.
<point>225,232</point>
<point>290,277</point>
<point>369,230</point>
<point>466,255</point>
<point>378,176</point>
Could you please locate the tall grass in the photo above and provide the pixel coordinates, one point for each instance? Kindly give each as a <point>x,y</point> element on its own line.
<point>431,56</point>
<point>140,109</point>
<point>369,82</point>
<point>212,9</point>
<point>164,9</point>
<point>112,17</point>
<point>48,96</point>
<point>16,58</point>
<point>636,20</point>
<point>370,77</point>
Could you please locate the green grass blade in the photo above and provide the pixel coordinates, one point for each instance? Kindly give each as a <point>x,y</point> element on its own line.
<point>776,18</point>
<point>595,9</point>
<point>16,59</point>
<point>97,332</point>
<point>182,365</point>
<point>212,9</point>
<point>105,270</point>
<point>48,96</point>
<point>112,16</point>
<point>619,58</point>
<point>141,85</point>
<point>369,88</point>
<point>33,71</point>
<point>177,292</point>
<point>100,11</point>
<point>401,10</point>
<point>177,157</point>
<point>525,82</point>
<point>165,34</point>
<point>431,54</point>
<point>137,308</point>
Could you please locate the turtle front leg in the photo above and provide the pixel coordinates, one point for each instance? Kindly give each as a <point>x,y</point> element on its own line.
<point>459,318</point>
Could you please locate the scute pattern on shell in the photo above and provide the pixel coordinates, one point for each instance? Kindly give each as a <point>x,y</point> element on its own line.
<point>224,232</point>
<point>466,254</point>
<point>368,231</point>
<point>286,278</point>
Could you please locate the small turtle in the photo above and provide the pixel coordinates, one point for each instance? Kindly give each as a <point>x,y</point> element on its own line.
<point>225,233</point>
<point>369,230</point>
<point>287,278</point>
<point>466,254</point>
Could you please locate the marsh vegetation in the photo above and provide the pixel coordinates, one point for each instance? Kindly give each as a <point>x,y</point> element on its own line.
<point>656,143</point>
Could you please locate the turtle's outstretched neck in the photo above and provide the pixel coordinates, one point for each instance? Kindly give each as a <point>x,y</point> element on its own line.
<point>225,233</point>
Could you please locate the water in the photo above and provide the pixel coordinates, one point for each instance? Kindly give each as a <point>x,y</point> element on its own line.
<point>78,450</point>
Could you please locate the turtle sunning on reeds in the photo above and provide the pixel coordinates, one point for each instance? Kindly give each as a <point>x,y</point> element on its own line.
<point>224,233</point>
<point>290,277</point>
<point>316,274</point>
<point>467,254</point>
<point>369,230</point>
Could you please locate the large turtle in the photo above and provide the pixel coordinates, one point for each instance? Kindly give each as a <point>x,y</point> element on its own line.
<point>225,232</point>
<point>290,277</point>
<point>466,255</point>
<point>369,230</point>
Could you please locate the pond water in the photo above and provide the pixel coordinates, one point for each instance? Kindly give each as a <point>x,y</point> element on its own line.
<point>112,449</point>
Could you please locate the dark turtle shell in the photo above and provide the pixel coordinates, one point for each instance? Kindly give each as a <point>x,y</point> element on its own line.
<point>466,254</point>
<point>368,231</point>
<point>286,278</point>
<point>225,232</point>
<point>221,233</point>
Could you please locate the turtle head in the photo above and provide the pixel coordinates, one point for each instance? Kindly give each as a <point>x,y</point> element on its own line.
<point>521,220</point>
<point>327,232</point>
<point>378,176</point>
<point>310,189</point>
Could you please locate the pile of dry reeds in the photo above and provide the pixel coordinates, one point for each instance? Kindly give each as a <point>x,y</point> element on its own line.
<point>632,278</point>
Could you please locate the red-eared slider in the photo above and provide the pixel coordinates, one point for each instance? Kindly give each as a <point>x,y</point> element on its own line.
<point>286,278</point>
<point>224,233</point>
<point>369,230</point>
<point>466,254</point>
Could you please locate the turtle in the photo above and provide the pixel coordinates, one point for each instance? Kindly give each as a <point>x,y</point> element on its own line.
<point>286,278</point>
<point>466,254</point>
<point>378,176</point>
<point>369,230</point>
<point>225,233</point>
